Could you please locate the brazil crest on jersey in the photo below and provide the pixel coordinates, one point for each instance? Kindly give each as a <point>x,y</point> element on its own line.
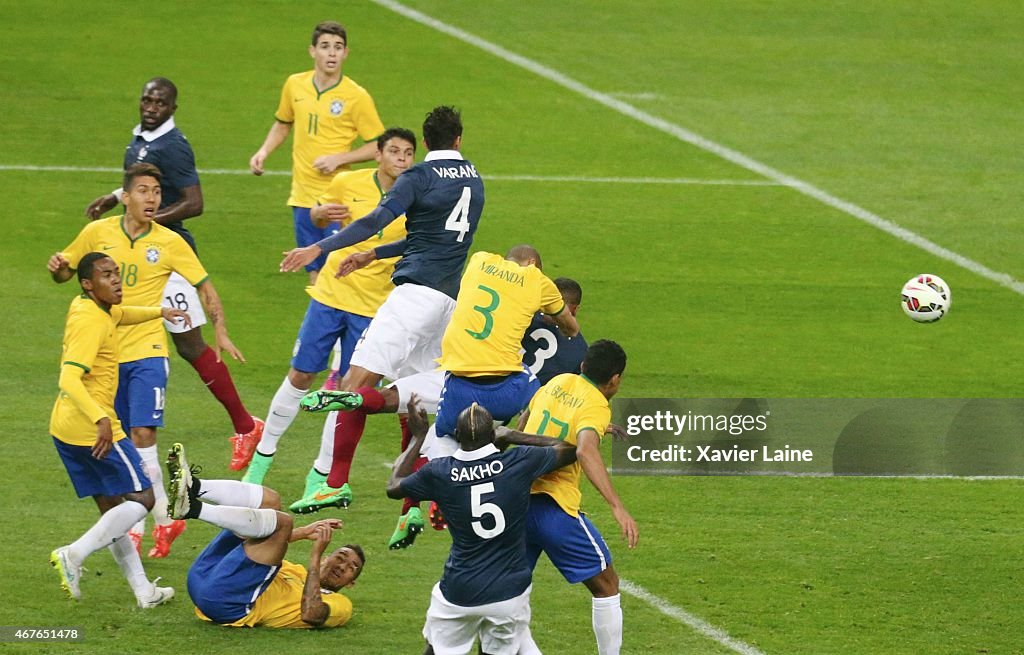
<point>442,198</point>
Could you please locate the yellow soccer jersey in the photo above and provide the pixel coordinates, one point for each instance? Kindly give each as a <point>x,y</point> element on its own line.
<point>145,264</point>
<point>364,291</point>
<point>90,343</point>
<point>280,606</point>
<point>563,408</point>
<point>497,300</point>
<point>324,122</point>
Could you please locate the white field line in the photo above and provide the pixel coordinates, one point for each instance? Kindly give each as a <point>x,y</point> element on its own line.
<point>694,139</point>
<point>501,178</point>
<point>698,624</point>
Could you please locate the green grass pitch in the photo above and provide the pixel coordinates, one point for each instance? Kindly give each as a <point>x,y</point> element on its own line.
<point>909,110</point>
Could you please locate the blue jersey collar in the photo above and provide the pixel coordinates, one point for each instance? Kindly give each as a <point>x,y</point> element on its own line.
<point>443,154</point>
<point>473,455</point>
<point>153,135</point>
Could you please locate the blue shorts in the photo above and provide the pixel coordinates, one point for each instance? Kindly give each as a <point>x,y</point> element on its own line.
<point>306,234</point>
<point>224,583</point>
<point>141,388</point>
<point>503,399</point>
<point>572,544</point>
<point>120,472</point>
<point>323,326</point>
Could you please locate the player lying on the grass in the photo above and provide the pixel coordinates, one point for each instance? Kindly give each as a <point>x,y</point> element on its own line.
<point>100,461</point>
<point>149,254</point>
<point>241,578</point>
<point>481,360</point>
<point>340,308</point>
<point>157,140</point>
<point>574,408</point>
<point>484,493</point>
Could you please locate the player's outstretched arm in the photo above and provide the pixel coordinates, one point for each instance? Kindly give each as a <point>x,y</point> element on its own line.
<point>565,453</point>
<point>314,610</point>
<point>215,311</point>
<point>355,232</point>
<point>60,269</point>
<point>566,322</point>
<point>278,133</point>
<point>329,163</point>
<point>419,424</point>
<point>189,205</point>
<point>101,205</point>
<point>589,455</point>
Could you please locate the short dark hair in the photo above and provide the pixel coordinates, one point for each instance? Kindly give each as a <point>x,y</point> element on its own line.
<point>441,127</point>
<point>396,133</point>
<point>87,263</point>
<point>604,360</point>
<point>329,27</point>
<point>166,84</point>
<point>358,550</point>
<point>523,252</point>
<point>570,289</point>
<point>140,169</point>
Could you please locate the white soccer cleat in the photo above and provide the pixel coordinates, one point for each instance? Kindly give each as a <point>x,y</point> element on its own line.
<point>182,503</point>
<point>70,573</point>
<point>160,596</point>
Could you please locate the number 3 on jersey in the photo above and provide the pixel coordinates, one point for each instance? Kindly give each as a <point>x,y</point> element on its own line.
<point>458,220</point>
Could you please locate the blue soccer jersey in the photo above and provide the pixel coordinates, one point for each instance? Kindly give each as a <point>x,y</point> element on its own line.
<point>167,149</point>
<point>485,496</point>
<point>442,199</point>
<point>548,352</point>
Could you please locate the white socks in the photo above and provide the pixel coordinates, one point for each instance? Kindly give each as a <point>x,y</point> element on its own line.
<point>527,646</point>
<point>131,566</point>
<point>231,492</point>
<point>111,525</point>
<point>151,461</point>
<point>283,409</point>
<point>325,458</point>
<point>336,359</point>
<point>243,521</point>
<point>607,620</point>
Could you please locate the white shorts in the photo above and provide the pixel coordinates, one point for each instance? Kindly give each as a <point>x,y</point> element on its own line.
<point>453,629</point>
<point>427,387</point>
<point>404,338</point>
<point>179,294</point>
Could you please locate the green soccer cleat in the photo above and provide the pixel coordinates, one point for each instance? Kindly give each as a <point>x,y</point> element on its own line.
<point>183,492</point>
<point>323,497</point>
<point>313,481</point>
<point>258,468</point>
<point>323,400</point>
<point>409,525</point>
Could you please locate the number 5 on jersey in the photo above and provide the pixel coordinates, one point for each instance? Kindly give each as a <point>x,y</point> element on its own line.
<point>481,509</point>
<point>458,220</point>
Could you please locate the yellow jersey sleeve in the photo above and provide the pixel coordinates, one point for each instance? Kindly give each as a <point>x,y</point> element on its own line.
<point>593,417</point>
<point>550,297</point>
<point>285,112</point>
<point>83,244</point>
<point>341,609</point>
<point>82,340</point>
<point>366,119</point>
<point>185,262</point>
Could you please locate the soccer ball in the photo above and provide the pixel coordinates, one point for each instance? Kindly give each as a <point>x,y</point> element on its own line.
<point>926,298</point>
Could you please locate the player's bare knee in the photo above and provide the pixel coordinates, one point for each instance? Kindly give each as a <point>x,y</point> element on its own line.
<point>391,399</point>
<point>605,584</point>
<point>300,379</point>
<point>285,523</point>
<point>271,499</point>
<point>146,498</point>
<point>190,345</point>
<point>144,437</point>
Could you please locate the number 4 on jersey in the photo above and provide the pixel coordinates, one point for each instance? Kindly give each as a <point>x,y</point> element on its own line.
<point>458,220</point>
